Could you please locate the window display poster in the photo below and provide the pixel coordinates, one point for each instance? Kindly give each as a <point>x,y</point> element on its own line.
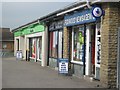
<point>33,48</point>
<point>81,38</point>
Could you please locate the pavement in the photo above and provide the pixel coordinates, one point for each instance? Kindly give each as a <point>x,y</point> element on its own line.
<point>23,74</point>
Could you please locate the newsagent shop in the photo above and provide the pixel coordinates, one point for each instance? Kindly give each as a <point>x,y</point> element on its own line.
<point>90,41</point>
<point>30,39</point>
<point>85,35</point>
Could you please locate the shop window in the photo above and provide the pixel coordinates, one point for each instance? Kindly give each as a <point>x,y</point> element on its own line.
<point>78,45</point>
<point>35,45</point>
<point>56,44</point>
<point>53,44</point>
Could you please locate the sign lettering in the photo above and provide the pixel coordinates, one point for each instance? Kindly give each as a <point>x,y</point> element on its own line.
<point>79,18</point>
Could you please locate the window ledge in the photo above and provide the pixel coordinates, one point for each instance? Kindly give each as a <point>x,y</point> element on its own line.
<point>77,62</point>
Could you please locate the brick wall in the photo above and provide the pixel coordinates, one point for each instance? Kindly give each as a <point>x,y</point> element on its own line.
<point>110,22</point>
<point>9,45</point>
<point>65,43</point>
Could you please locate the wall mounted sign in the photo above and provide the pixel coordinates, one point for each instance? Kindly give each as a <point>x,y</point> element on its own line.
<point>97,12</point>
<point>63,65</point>
<point>79,18</point>
<point>56,25</point>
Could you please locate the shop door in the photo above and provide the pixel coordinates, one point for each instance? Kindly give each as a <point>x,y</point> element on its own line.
<point>17,44</point>
<point>30,47</point>
<point>118,59</point>
<point>90,50</point>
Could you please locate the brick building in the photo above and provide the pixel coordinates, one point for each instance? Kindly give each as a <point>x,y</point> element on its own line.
<point>6,40</point>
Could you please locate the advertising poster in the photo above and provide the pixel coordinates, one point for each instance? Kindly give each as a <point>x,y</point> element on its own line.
<point>33,48</point>
<point>63,66</point>
<point>19,55</point>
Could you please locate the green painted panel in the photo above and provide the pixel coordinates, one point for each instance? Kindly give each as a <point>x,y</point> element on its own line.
<point>18,33</point>
<point>29,30</point>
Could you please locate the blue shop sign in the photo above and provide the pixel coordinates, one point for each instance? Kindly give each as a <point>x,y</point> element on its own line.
<point>79,18</point>
<point>56,25</point>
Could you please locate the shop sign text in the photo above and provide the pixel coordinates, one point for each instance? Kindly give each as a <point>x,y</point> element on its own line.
<point>79,18</point>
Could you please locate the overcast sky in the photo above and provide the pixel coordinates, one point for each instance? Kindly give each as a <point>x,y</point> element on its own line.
<point>15,14</point>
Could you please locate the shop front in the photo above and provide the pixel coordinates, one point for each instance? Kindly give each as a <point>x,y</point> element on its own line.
<point>31,41</point>
<point>55,43</point>
<point>85,48</point>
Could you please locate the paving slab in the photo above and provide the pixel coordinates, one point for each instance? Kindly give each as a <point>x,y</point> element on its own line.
<point>23,74</point>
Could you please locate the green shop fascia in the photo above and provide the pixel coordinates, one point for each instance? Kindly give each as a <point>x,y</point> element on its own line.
<point>34,28</point>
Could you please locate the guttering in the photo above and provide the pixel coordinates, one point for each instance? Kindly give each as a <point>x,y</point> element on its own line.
<point>78,7</point>
<point>64,12</point>
<point>95,1</point>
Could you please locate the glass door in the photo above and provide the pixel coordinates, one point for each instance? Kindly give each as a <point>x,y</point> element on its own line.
<point>39,48</point>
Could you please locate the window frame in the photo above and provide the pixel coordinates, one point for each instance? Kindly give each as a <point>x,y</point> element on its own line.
<point>72,60</point>
<point>50,52</point>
